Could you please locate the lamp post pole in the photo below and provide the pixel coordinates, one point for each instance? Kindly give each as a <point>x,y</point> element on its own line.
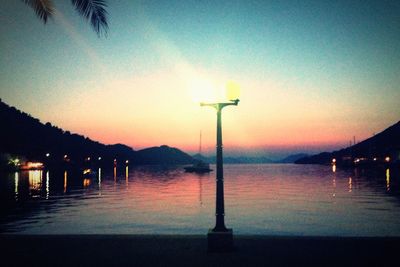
<point>220,238</point>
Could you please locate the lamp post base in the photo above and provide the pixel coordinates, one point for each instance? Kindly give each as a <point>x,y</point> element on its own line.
<point>220,241</point>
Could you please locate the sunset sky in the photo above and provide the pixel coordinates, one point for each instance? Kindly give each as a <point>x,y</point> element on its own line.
<point>313,74</point>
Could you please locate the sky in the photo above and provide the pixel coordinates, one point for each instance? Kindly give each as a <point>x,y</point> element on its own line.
<point>312,74</point>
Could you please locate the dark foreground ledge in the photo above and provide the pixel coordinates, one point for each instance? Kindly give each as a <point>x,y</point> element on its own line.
<point>176,250</point>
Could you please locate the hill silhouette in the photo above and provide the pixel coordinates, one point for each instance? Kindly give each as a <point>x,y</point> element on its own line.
<point>234,160</point>
<point>162,155</point>
<point>28,138</point>
<point>383,147</point>
<point>292,158</point>
<point>250,160</point>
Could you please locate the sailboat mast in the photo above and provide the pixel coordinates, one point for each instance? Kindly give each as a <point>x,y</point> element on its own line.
<point>200,144</point>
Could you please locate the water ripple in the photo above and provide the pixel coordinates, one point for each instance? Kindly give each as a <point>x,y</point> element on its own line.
<point>270,199</point>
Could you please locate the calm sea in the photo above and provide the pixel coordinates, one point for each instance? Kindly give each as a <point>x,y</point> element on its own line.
<point>263,199</point>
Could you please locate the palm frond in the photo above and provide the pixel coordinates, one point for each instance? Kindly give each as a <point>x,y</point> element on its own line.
<point>95,12</point>
<point>43,8</point>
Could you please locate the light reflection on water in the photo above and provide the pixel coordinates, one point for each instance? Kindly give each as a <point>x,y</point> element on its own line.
<point>264,199</point>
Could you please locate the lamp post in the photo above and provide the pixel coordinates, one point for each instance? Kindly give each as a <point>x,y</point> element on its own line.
<point>220,238</point>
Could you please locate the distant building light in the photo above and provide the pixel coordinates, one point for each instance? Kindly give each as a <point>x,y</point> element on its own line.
<point>32,166</point>
<point>88,158</point>
<point>387,159</point>
<point>333,160</point>
<point>87,171</point>
<point>47,154</point>
<point>15,162</point>
<point>99,158</point>
<point>375,159</point>
<point>66,159</point>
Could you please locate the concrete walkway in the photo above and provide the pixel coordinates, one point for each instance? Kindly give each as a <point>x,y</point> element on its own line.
<point>153,250</point>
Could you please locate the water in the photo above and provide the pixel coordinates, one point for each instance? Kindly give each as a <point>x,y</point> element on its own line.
<point>263,199</point>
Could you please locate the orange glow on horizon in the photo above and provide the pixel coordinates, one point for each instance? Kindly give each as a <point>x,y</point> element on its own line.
<point>151,97</point>
<point>158,109</point>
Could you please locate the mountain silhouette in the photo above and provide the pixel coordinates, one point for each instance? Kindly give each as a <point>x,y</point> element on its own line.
<point>234,160</point>
<point>27,138</point>
<point>292,158</point>
<point>378,148</point>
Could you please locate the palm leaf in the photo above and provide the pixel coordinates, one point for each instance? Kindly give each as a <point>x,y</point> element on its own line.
<point>43,8</point>
<point>95,12</point>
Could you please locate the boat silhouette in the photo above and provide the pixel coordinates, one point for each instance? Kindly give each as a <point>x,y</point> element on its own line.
<point>199,166</point>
